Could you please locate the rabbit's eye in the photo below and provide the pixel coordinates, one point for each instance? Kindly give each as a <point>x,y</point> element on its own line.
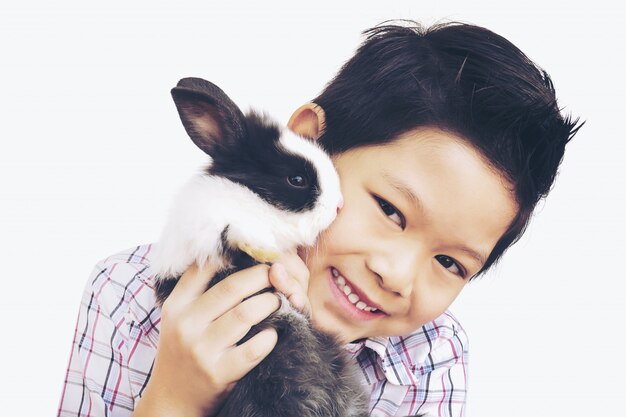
<point>297,181</point>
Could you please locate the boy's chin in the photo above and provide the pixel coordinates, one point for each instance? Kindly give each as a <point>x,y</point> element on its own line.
<point>343,335</point>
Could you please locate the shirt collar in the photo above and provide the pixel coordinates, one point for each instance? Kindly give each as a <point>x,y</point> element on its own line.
<point>390,358</point>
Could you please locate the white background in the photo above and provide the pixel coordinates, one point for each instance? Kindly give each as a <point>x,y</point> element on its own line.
<point>93,151</point>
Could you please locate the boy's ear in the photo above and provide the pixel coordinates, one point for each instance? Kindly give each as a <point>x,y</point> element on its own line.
<point>309,120</point>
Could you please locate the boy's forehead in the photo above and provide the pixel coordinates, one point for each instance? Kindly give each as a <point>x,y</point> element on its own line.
<point>428,141</point>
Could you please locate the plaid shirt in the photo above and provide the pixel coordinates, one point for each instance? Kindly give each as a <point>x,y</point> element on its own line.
<point>117,331</point>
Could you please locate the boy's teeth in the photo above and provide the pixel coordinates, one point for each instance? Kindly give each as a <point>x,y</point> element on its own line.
<point>347,290</point>
<point>354,299</point>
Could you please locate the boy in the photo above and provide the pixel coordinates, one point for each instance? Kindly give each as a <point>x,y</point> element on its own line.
<point>444,139</point>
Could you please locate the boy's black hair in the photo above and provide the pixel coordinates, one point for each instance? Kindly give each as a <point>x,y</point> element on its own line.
<point>462,79</point>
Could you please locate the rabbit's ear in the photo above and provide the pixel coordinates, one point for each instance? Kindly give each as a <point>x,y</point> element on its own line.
<point>210,117</point>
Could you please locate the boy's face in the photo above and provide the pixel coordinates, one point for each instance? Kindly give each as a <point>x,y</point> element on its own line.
<point>409,259</point>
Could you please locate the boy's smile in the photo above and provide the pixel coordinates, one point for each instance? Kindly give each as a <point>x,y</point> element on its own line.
<point>420,217</point>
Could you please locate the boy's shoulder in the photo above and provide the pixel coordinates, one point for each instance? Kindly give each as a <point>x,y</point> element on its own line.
<point>122,283</point>
<point>440,341</point>
<point>128,264</point>
<point>140,255</point>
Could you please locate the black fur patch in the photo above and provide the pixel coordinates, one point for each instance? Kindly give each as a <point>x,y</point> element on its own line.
<point>263,167</point>
<point>163,288</point>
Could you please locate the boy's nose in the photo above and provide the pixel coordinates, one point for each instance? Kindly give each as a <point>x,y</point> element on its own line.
<point>394,274</point>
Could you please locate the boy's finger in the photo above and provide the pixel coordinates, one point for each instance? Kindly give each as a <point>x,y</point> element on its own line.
<point>289,286</point>
<point>229,292</point>
<point>233,325</point>
<point>249,354</point>
<point>295,267</point>
<point>193,282</point>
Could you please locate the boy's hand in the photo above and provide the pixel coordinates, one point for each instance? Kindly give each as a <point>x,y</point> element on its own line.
<point>198,361</point>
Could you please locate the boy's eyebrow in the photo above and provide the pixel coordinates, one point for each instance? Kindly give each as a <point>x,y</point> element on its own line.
<point>408,193</point>
<point>403,189</point>
<point>471,252</point>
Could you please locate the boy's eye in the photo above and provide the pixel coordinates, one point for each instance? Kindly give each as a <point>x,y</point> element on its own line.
<point>390,211</point>
<point>451,265</point>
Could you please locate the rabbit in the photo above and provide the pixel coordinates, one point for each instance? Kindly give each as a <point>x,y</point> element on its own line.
<point>266,190</point>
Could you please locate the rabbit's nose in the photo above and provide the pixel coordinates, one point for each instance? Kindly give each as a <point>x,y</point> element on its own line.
<point>340,204</point>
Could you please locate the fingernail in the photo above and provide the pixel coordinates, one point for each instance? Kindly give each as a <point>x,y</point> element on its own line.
<point>297,302</point>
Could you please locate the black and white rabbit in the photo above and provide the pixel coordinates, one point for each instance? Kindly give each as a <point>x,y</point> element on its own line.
<point>265,191</point>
